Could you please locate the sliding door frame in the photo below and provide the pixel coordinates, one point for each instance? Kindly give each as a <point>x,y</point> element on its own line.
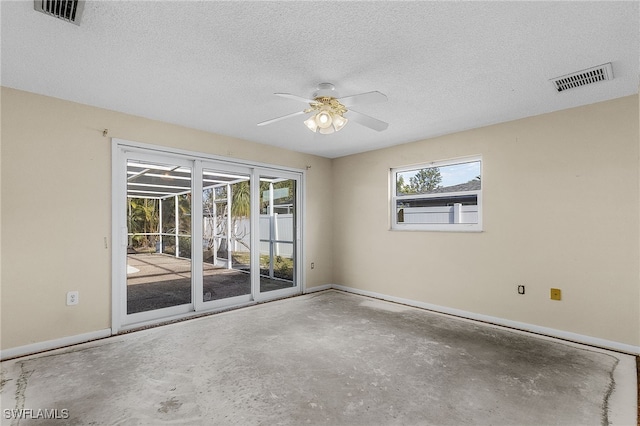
<point>120,256</point>
<point>297,227</point>
<point>217,166</point>
<point>120,149</point>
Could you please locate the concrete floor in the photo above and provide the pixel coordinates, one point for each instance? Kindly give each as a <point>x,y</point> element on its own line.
<point>327,358</point>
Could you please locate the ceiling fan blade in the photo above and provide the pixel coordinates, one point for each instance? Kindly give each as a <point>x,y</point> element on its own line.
<point>296,98</point>
<point>365,120</point>
<point>273,120</point>
<point>363,98</point>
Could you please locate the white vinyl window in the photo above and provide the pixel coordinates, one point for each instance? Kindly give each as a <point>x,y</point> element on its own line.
<point>438,196</point>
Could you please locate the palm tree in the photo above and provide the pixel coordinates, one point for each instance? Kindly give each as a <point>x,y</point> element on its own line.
<point>142,218</point>
<point>241,200</point>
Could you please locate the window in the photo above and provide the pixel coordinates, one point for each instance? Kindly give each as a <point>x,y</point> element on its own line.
<point>439,196</point>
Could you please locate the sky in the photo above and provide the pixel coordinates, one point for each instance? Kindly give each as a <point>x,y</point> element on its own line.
<point>459,173</point>
<point>454,174</point>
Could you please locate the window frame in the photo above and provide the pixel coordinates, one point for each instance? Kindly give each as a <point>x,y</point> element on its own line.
<point>447,227</point>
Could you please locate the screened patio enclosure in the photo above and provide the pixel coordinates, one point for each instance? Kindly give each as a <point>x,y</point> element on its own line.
<point>163,253</point>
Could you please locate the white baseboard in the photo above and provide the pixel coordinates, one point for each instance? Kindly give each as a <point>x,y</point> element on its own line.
<point>86,337</point>
<point>318,288</point>
<point>53,344</point>
<point>545,331</point>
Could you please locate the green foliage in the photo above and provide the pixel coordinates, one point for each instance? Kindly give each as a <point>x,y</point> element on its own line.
<point>142,217</point>
<point>401,186</point>
<point>169,214</point>
<point>424,181</point>
<point>241,199</point>
<point>283,268</point>
<point>184,244</point>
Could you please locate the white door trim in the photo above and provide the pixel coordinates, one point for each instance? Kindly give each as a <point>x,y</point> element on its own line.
<point>298,254</point>
<point>196,161</point>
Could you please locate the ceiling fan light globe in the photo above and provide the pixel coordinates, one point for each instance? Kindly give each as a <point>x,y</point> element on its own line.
<point>339,122</point>
<point>326,130</point>
<point>311,123</point>
<point>323,119</point>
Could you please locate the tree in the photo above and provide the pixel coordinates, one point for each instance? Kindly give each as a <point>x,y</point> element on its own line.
<point>241,199</point>
<point>215,208</point>
<point>401,186</point>
<point>425,180</point>
<point>142,218</point>
<point>216,228</point>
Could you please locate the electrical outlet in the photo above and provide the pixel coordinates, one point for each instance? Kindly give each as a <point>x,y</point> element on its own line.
<point>313,265</point>
<point>520,289</point>
<point>72,298</point>
<point>556,294</point>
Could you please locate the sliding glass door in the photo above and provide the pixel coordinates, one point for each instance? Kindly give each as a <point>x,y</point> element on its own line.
<point>236,242</point>
<point>278,227</point>
<point>226,234</point>
<point>158,222</point>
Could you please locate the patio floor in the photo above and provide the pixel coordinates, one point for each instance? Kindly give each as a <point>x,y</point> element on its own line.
<point>157,281</point>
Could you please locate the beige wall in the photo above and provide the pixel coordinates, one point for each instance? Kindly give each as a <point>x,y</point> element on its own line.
<point>56,203</point>
<point>576,172</point>
<point>561,209</point>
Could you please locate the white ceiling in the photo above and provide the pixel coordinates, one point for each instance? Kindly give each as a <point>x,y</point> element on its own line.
<point>214,66</point>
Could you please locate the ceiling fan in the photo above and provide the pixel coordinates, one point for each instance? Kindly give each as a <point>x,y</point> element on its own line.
<point>331,113</point>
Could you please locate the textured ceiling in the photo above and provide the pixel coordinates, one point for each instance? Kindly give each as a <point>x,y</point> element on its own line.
<point>214,66</point>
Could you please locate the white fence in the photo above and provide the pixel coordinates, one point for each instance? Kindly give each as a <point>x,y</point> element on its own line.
<point>456,213</point>
<point>282,237</point>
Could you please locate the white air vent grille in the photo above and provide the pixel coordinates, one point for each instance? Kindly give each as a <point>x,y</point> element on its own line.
<point>67,10</point>
<point>584,77</point>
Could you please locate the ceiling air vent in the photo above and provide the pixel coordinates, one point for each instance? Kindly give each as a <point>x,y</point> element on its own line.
<point>67,10</point>
<point>584,77</point>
